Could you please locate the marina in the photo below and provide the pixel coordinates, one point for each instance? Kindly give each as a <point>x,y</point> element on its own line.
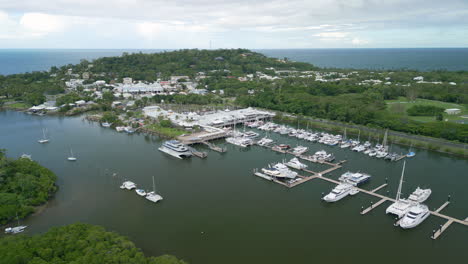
<point>215,187</point>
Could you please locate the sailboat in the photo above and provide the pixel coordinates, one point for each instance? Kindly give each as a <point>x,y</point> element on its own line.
<point>17,229</point>
<point>411,153</point>
<point>153,196</point>
<point>44,139</point>
<point>401,206</point>
<point>71,158</point>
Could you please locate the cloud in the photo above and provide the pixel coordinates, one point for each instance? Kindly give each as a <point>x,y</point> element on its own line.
<point>332,35</point>
<point>41,24</point>
<point>358,41</point>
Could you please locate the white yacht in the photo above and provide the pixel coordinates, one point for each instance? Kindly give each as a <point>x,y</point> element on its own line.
<point>296,164</point>
<point>71,158</point>
<point>265,141</point>
<point>419,195</point>
<point>128,185</point>
<point>239,141</point>
<point>299,150</point>
<point>401,206</point>
<point>280,170</point>
<point>339,192</point>
<point>106,124</point>
<point>17,229</point>
<point>44,138</point>
<point>26,156</point>
<point>153,196</point>
<point>175,149</point>
<point>416,215</point>
<point>140,192</point>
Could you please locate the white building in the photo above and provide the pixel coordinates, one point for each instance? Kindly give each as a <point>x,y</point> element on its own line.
<point>127,80</point>
<point>453,111</point>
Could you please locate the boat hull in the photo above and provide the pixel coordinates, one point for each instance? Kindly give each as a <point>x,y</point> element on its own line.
<point>179,155</point>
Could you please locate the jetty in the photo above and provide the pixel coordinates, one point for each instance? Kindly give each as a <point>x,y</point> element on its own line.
<point>214,147</point>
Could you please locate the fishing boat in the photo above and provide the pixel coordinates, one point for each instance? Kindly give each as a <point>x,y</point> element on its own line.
<point>153,196</point>
<point>175,149</point>
<point>296,164</point>
<point>420,195</point>
<point>415,216</point>
<point>44,138</point>
<point>71,158</point>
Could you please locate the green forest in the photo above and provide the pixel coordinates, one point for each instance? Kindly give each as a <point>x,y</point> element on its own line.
<point>24,184</point>
<point>78,244</point>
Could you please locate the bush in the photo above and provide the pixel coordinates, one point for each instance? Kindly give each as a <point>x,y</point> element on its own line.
<point>425,110</point>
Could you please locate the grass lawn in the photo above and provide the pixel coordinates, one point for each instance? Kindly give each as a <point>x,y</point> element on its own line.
<point>17,105</point>
<point>402,104</point>
<point>166,131</point>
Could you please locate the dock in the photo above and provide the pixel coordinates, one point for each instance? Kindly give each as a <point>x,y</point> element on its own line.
<point>380,187</point>
<point>442,207</point>
<point>214,147</point>
<point>442,229</point>
<point>400,157</point>
<point>197,153</point>
<point>368,209</point>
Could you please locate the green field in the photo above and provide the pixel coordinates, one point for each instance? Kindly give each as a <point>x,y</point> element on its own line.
<point>402,104</point>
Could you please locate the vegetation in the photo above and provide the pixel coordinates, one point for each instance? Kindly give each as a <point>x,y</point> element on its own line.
<point>23,184</point>
<point>425,110</point>
<point>165,131</point>
<point>76,243</point>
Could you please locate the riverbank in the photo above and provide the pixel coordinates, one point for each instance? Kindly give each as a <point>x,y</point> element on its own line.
<point>423,142</point>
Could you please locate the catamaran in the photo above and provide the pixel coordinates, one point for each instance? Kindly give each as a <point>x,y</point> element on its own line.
<point>401,206</point>
<point>153,196</point>
<point>44,139</point>
<point>71,158</point>
<point>354,178</point>
<point>129,185</point>
<point>175,149</point>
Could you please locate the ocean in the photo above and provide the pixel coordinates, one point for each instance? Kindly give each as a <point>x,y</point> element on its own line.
<point>452,59</point>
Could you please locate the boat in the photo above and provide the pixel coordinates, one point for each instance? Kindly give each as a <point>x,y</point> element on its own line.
<point>415,216</point>
<point>239,141</point>
<point>410,154</point>
<point>17,229</point>
<point>44,138</point>
<point>175,149</point>
<point>283,146</point>
<point>140,192</point>
<point>299,150</point>
<point>345,144</point>
<point>120,128</point>
<point>280,170</point>
<point>339,192</point>
<point>129,130</point>
<point>354,178</point>
<point>296,164</point>
<point>71,158</point>
<point>401,206</point>
<point>250,134</point>
<point>128,185</point>
<point>420,195</point>
<point>153,196</point>
<point>26,156</point>
<point>264,141</point>
<point>106,124</point>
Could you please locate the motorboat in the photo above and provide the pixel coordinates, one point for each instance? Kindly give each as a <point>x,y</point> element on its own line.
<point>419,195</point>
<point>354,178</point>
<point>250,134</point>
<point>106,124</point>
<point>296,164</point>
<point>265,141</point>
<point>128,185</point>
<point>299,150</point>
<point>175,149</point>
<point>339,192</point>
<point>345,144</point>
<point>410,154</point>
<point>26,156</point>
<point>415,216</point>
<point>120,129</point>
<point>15,230</point>
<point>280,170</point>
<point>239,141</point>
<point>140,192</point>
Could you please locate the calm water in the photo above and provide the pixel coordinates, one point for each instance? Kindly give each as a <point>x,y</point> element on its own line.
<point>26,60</point>
<point>215,211</point>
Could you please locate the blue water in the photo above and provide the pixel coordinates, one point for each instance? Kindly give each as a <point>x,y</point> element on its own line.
<point>453,59</point>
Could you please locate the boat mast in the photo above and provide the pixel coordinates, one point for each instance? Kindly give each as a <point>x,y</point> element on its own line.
<point>344,134</point>
<point>154,188</point>
<point>401,182</point>
<point>359,135</point>
<point>384,142</point>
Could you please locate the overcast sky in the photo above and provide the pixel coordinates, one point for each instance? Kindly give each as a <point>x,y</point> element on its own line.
<point>175,24</point>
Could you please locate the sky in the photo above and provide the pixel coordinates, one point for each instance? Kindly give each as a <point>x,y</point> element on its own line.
<point>254,24</point>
